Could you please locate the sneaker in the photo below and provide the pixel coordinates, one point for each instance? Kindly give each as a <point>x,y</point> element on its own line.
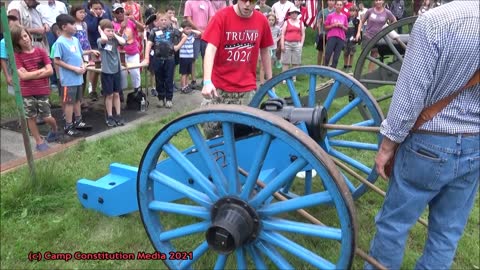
<point>72,132</point>
<point>42,147</point>
<point>81,125</point>
<point>153,92</point>
<point>52,136</point>
<point>93,96</point>
<point>168,104</point>
<point>193,85</point>
<point>119,120</point>
<point>110,122</point>
<point>54,87</point>
<point>186,90</point>
<point>162,103</point>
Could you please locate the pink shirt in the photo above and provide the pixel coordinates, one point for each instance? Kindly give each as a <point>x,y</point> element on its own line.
<point>334,18</point>
<point>200,11</point>
<point>131,36</point>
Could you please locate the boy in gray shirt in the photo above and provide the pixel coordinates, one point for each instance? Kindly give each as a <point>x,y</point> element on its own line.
<point>111,77</point>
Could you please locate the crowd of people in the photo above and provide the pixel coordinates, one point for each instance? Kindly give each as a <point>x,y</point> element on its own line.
<point>75,37</point>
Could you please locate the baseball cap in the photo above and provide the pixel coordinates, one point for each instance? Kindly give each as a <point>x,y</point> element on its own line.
<point>257,7</point>
<point>294,9</point>
<point>116,6</point>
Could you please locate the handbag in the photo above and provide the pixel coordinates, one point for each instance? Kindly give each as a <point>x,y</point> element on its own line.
<point>429,112</point>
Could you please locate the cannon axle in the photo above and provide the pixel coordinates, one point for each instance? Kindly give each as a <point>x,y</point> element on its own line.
<point>234,224</point>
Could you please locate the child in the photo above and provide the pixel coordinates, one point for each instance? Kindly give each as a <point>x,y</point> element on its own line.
<point>353,23</point>
<point>276,32</point>
<point>128,29</point>
<point>69,58</point>
<point>186,56</point>
<point>34,69</point>
<point>336,24</point>
<point>162,40</point>
<point>4,62</point>
<point>111,78</point>
<point>170,10</point>
<point>79,13</point>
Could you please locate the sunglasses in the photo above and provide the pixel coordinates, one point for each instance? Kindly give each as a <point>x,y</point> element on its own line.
<point>119,11</point>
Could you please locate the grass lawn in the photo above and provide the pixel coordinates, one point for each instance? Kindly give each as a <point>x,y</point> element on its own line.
<point>47,216</point>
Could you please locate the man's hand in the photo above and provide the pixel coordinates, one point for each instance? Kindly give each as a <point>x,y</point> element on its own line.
<point>9,80</point>
<point>209,91</point>
<point>80,70</point>
<point>384,158</point>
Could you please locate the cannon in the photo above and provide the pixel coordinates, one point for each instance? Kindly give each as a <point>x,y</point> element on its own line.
<point>253,196</point>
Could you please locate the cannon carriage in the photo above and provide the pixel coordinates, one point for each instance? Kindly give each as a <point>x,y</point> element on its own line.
<point>274,189</point>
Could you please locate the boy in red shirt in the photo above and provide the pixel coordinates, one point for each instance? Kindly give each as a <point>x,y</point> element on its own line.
<point>235,36</point>
<point>34,69</point>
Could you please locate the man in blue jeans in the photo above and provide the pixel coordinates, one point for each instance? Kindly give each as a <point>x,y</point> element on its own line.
<point>438,165</point>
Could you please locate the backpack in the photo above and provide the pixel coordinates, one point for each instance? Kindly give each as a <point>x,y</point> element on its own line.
<point>134,100</point>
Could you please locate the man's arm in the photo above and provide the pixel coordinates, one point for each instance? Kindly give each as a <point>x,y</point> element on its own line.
<point>4,66</point>
<point>59,62</point>
<point>147,52</point>
<point>44,72</point>
<point>209,90</point>
<point>266,62</point>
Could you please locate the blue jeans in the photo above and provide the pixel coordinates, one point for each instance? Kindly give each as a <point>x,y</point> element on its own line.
<point>164,70</point>
<point>334,46</point>
<point>441,172</point>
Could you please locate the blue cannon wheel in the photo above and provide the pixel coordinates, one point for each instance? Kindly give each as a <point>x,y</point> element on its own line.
<point>347,103</point>
<point>223,217</point>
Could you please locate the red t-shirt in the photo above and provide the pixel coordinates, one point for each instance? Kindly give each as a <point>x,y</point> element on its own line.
<point>346,9</point>
<point>31,62</point>
<point>238,41</point>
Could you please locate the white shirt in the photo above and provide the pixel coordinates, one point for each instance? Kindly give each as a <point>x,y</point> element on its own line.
<point>50,12</point>
<point>280,11</point>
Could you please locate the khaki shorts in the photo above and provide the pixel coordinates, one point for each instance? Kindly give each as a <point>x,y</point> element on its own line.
<point>212,129</point>
<point>37,106</point>
<point>292,54</point>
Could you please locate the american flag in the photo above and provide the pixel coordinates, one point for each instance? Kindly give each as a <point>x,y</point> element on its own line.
<point>311,13</point>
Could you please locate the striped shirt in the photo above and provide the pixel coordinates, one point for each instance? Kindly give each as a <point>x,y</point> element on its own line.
<point>442,55</point>
<point>33,61</point>
<point>186,51</point>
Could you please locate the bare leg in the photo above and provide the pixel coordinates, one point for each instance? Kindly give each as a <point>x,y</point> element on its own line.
<point>51,122</point>
<point>68,113</point>
<point>371,65</point>
<point>32,125</point>
<point>116,103</point>
<point>77,109</point>
<point>108,104</point>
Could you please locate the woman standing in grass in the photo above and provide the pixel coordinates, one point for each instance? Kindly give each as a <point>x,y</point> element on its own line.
<point>34,69</point>
<point>291,41</point>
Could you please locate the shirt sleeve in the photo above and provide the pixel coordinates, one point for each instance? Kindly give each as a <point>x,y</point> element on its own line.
<point>188,10</point>
<point>3,50</point>
<point>58,52</point>
<point>328,20</point>
<point>18,60</point>
<point>267,39</point>
<point>413,84</point>
<point>390,16</point>
<point>212,32</point>
<point>45,58</point>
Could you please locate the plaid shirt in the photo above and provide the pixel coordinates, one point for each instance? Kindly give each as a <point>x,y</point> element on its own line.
<point>442,55</point>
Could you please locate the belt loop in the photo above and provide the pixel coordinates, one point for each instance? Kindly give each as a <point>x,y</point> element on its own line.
<point>459,138</point>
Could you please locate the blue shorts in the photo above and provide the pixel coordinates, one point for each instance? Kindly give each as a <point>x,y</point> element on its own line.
<point>199,47</point>
<point>111,83</point>
<point>186,66</point>
<point>70,94</point>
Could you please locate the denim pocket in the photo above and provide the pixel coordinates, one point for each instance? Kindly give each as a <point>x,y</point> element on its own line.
<point>422,166</point>
<point>474,169</point>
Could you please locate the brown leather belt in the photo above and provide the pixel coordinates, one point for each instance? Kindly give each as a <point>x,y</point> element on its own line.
<point>418,131</point>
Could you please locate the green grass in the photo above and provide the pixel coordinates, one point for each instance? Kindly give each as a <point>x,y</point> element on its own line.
<point>46,216</point>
